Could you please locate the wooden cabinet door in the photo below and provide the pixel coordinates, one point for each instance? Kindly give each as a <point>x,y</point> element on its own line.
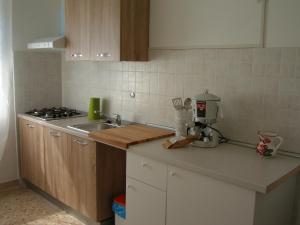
<point>77,29</point>
<point>55,145</point>
<point>196,199</point>
<point>105,30</point>
<point>144,204</point>
<point>32,153</point>
<point>80,176</point>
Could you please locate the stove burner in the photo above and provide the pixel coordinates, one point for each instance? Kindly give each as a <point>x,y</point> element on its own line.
<point>55,113</point>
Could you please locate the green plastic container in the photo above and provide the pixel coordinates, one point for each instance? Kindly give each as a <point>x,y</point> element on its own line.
<point>94,109</point>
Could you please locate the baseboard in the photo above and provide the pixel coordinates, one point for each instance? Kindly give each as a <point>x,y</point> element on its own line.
<point>9,184</point>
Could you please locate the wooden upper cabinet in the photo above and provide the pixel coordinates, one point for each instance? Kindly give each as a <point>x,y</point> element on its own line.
<point>77,29</point>
<point>135,30</point>
<point>114,30</point>
<point>105,30</point>
<point>32,153</point>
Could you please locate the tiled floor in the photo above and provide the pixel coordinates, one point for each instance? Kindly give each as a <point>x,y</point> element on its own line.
<point>19,205</point>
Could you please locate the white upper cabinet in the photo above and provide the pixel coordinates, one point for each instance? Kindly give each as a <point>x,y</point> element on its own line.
<point>178,24</point>
<point>283,23</point>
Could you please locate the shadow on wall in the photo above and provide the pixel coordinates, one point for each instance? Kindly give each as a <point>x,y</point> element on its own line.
<point>9,162</point>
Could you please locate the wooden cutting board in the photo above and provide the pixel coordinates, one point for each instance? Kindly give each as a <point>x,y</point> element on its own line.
<point>123,137</point>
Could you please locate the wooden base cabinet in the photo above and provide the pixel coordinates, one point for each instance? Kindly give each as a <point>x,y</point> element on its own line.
<point>55,164</point>
<point>80,176</point>
<point>80,173</point>
<point>32,153</point>
<point>70,164</point>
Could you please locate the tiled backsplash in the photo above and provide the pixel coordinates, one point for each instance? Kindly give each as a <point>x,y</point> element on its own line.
<point>37,77</point>
<point>260,88</point>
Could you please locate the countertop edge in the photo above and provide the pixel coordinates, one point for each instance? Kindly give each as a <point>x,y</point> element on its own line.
<point>53,126</point>
<point>66,130</point>
<point>217,176</point>
<point>282,179</point>
<point>264,189</point>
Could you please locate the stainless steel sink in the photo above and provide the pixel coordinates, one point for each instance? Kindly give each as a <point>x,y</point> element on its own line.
<point>89,127</point>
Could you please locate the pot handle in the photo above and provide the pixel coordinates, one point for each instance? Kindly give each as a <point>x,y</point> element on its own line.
<point>220,114</point>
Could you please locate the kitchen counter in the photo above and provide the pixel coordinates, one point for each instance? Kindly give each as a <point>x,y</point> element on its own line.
<point>230,163</point>
<point>227,162</point>
<point>62,124</point>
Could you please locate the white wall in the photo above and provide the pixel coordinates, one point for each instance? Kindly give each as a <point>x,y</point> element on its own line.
<point>33,19</point>
<point>37,80</point>
<point>9,162</point>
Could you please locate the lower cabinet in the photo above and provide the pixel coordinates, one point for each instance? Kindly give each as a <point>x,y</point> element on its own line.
<point>70,165</point>
<point>80,173</point>
<point>32,166</point>
<point>146,183</point>
<point>195,199</point>
<point>80,176</point>
<point>55,167</point>
<point>144,204</point>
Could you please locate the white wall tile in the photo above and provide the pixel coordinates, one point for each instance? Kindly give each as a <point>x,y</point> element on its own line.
<point>37,78</point>
<point>259,87</point>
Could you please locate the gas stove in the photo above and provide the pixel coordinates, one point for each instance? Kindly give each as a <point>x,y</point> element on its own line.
<point>55,113</point>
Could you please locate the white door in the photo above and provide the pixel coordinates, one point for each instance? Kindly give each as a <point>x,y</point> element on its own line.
<point>145,205</point>
<point>193,199</point>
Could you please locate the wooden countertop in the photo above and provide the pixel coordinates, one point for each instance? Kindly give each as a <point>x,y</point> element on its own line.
<point>230,163</point>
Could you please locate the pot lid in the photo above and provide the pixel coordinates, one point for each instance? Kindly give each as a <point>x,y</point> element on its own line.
<point>207,97</point>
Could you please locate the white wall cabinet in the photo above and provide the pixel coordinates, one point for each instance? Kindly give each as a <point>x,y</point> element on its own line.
<point>282,23</point>
<point>177,24</point>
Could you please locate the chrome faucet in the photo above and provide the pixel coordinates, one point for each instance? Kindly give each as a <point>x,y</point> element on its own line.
<point>117,118</point>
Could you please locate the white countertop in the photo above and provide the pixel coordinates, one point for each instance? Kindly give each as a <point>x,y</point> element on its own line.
<point>230,163</point>
<point>227,162</point>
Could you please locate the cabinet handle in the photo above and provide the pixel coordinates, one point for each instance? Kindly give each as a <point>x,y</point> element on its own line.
<point>76,55</point>
<point>173,174</point>
<point>30,126</point>
<point>103,54</point>
<point>129,186</point>
<point>144,164</point>
<point>54,134</point>
<point>80,142</point>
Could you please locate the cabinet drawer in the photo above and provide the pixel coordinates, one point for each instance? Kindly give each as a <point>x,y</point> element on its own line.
<point>147,171</point>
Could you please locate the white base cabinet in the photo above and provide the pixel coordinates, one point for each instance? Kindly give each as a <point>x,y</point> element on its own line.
<point>195,199</point>
<point>144,204</point>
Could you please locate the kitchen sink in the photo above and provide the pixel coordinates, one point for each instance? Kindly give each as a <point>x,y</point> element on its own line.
<point>89,127</point>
